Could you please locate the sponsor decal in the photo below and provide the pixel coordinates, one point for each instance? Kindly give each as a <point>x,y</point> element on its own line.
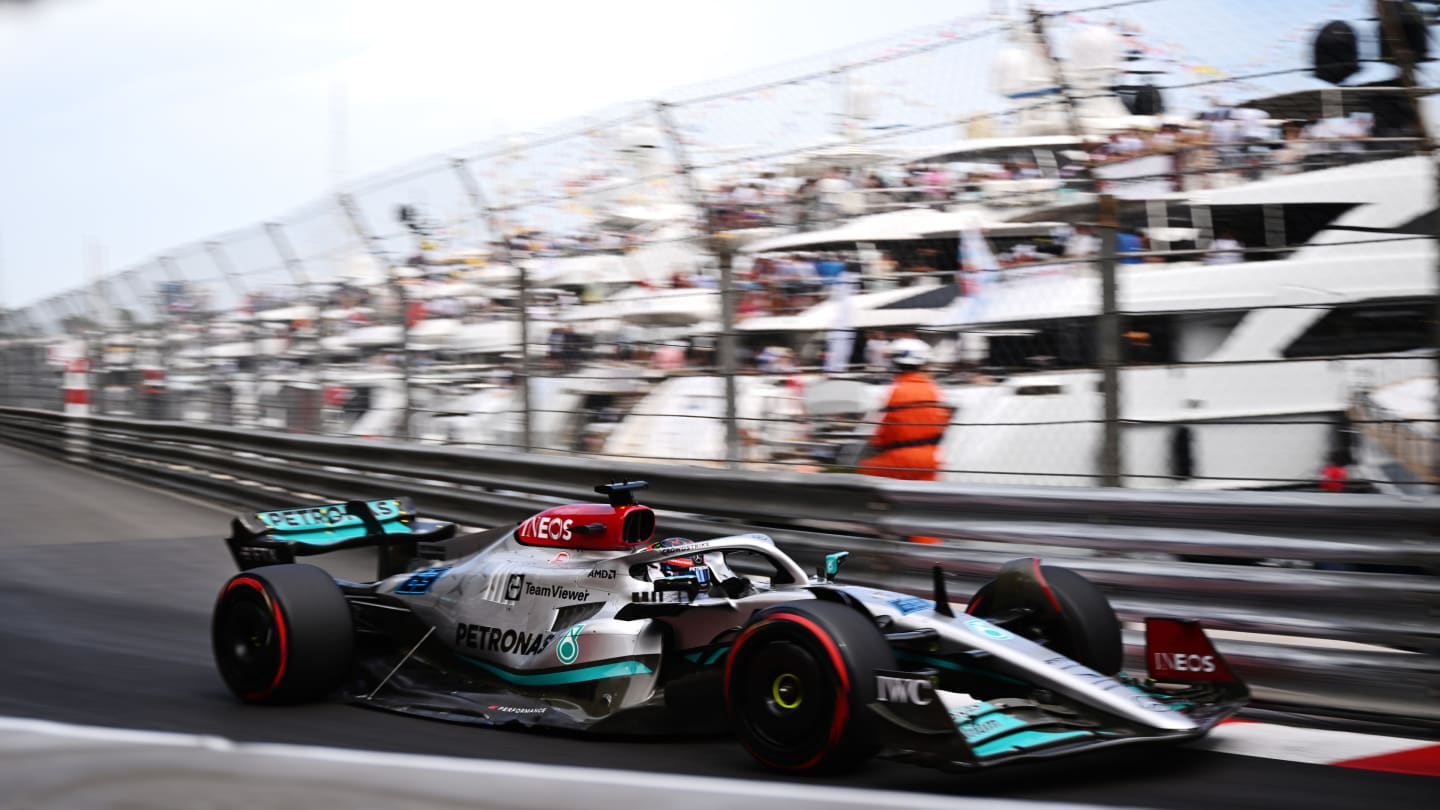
<point>514,586</point>
<point>1105,683</point>
<point>988,630</point>
<point>1181,662</point>
<point>302,518</point>
<point>680,551</point>
<point>914,691</point>
<point>980,728</point>
<point>560,558</point>
<point>600,573</point>
<point>547,528</point>
<point>569,647</point>
<point>421,581</point>
<point>554,592</point>
<point>518,709</point>
<point>257,554</point>
<point>1177,649</point>
<point>1147,702</point>
<point>503,640</point>
<point>326,516</point>
<point>910,604</point>
<point>966,710</point>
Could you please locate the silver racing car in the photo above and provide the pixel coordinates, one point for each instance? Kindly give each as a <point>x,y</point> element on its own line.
<point>576,618</point>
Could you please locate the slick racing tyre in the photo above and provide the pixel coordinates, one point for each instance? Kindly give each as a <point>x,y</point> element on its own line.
<point>282,634</point>
<point>797,683</point>
<point>1085,630</point>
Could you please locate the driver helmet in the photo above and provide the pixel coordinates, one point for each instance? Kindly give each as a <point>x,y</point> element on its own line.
<point>909,353</point>
<point>683,566</point>
<point>709,569</point>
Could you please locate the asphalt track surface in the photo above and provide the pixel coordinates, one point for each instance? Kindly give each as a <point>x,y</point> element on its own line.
<point>105,596</point>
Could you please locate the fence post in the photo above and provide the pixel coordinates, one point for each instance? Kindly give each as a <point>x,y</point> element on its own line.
<point>296,268</point>
<point>141,295</point>
<point>1108,344</point>
<point>232,277</point>
<point>291,259</point>
<point>725,251</point>
<point>723,246</point>
<point>227,269</point>
<point>7,357</point>
<point>10,347</point>
<point>156,384</point>
<point>377,251</point>
<point>487,213</point>
<point>1392,28</point>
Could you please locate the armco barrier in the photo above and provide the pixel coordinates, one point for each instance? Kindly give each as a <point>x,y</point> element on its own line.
<point>1348,581</point>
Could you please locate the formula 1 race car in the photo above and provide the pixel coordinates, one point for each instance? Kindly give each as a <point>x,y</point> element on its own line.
<point>576,619</point>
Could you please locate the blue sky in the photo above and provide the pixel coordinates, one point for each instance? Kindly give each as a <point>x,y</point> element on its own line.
<point>136,125</point>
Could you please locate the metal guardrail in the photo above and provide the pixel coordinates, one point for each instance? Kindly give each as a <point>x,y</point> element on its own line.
<point>1341,589</point>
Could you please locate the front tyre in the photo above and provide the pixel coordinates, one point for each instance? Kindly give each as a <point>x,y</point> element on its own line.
<point>797,684</point>
<point>1082,626</point>
<point>282,634</point>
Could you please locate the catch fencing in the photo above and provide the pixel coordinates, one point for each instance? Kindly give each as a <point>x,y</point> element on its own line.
<point>1325,604</point>
<point>551,291</point>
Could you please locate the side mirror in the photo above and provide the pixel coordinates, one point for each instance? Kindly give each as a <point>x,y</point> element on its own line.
<point>831,567</point>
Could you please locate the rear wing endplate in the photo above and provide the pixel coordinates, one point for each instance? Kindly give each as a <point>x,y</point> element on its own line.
<point>279,536</point>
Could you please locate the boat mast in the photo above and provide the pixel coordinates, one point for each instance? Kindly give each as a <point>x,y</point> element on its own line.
<point>1037,26</point>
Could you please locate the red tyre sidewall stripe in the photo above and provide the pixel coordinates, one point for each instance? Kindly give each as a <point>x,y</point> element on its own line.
<point>1045,586</point>
<point>274,607</point>
<point>842,708</point>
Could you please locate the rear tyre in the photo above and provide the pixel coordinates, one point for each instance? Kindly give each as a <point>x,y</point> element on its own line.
<point>797,684</point>
<point>282,634</point>
<point>1086,630</point>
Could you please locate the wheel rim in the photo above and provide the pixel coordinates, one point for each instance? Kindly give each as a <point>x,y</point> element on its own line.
<point>786,701</point>
<point>787,691</point>
<point>248,645</point>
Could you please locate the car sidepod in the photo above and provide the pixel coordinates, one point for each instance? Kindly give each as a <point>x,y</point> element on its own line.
<point>510,637</point>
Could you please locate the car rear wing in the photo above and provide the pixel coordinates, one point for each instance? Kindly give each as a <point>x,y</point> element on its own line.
<point>279,536</point>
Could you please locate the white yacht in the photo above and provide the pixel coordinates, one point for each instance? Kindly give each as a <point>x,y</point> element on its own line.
<point>1237,365</point>
<point>1234,374</point>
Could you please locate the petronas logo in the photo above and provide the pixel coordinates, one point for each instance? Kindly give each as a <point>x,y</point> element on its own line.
<point>569,647</point>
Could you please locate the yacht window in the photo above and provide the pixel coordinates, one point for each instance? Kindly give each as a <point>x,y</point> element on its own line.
<point>1065,343</point>
<point>1301,222</point>
<point>1423,225</point>
<point>929,299</point>
<point>1148,340</point>
<point>1198,334</point>
<point>1367,328</point>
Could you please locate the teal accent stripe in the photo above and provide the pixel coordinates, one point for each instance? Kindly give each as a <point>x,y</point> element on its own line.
<point>323,537</point>
<point>951,665</point>
<point>578,675</point>
<point>716,655</point>
<point>1023,740</point>
<point>990,724</point>
<point>1164,697</point>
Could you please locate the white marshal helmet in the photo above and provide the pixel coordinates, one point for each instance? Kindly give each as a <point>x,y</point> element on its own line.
<point>909,353</point>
